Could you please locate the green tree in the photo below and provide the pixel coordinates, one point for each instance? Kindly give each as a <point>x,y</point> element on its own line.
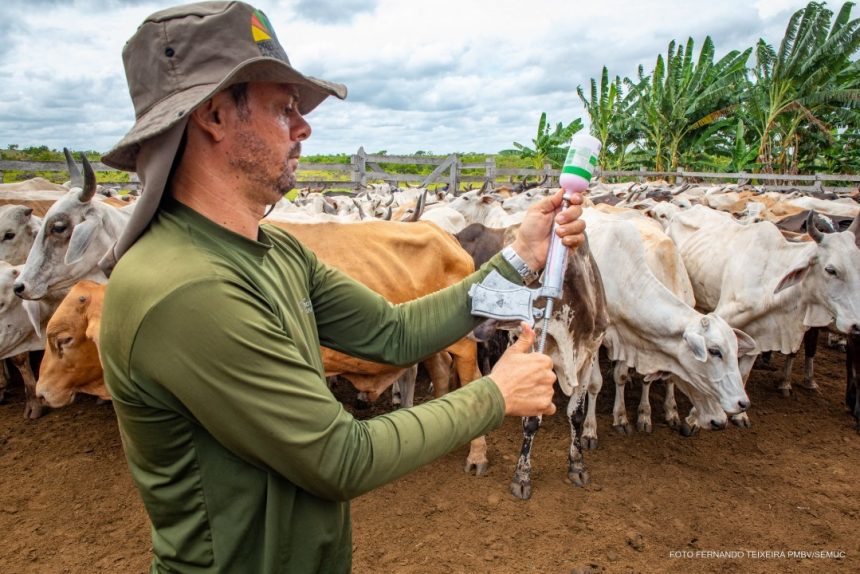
<point>684,96</point>
<point>610,115</point>
<point>550,144</point>
<point>798,89</point>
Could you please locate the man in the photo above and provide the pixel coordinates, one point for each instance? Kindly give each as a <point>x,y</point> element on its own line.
<point>212,324</point>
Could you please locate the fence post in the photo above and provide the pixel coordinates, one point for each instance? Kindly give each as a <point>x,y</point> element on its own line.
<point>818,185</point>
<point>679,179</point>
<point>359,169</point>
<point>641,177</point>
<point>2,176</point>
<point>454,177</point>
<point>547,167</point>
<point>490,168</point>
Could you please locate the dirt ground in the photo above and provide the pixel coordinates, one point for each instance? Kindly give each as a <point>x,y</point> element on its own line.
<point>656,502</point>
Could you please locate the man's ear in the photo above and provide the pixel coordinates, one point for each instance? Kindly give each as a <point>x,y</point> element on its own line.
<point>209,116</point>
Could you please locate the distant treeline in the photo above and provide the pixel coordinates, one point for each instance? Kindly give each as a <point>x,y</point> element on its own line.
<point>790,108</point>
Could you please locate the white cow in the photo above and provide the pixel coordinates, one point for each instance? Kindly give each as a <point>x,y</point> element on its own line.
<point>75,233</point>
<point>657,332</point>
<point>18,338</point>
<point>18,229</point>
<point>771,288</point>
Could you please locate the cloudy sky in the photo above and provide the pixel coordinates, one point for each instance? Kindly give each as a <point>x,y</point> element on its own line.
<point>442,76</point>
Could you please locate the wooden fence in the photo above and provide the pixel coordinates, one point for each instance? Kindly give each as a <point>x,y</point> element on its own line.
<point>366,168</point>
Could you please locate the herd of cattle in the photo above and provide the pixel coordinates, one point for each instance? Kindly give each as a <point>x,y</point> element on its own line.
<point>685,284</point>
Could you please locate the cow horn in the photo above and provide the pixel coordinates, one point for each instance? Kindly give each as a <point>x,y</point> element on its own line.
<point>361,213</point>
<point>387,215</point>
<point>420,207</point>
<point>812,229</point>
<point>484,187</point>
<point>390,201</point>
<point>89,181</point>
<point>855,229</point>
<point>328,207</point>
<point>74,172</point>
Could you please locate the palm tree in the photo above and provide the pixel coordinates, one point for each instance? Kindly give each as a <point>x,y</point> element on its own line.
<point>610,115</point>
<point>549,146</point>
<point>684,96</point>
<point>803,85</point>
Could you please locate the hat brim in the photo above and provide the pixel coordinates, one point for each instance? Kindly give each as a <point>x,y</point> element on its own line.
<point>166,113</point>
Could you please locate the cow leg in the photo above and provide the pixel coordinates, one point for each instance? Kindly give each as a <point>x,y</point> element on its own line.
<point>521,484</point>
<point>403,389</point>
<point>439,369</point>
<point>576,471</point>
<point>619,411</point>
<point>4,379</point>
<point>852,371</point>
<point>643,419</point>
<point>810,345</point>
<point>670,407</point>
<point>589,428</point>
<point>33,406</point>
<point>466,366</point>
<point>785,384</point>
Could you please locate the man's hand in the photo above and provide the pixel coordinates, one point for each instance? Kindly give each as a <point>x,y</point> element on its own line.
<point>532,242</point>
<point>525,378</point>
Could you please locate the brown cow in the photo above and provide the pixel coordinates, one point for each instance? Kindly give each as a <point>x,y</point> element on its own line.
<point>71,363</point>
<point>401,261</point>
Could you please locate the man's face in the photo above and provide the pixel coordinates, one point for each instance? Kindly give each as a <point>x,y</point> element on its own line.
<point>265,141</point>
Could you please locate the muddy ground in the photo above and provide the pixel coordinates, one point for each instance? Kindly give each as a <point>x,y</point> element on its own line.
<point>656,502</point>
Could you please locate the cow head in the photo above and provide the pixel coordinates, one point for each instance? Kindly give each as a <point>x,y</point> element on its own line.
<point>709,357</point>
<point>831,275</point>
<point>71,363</point>
<point>8,276</point>
<point>18,229</point>
<point>72,228</point>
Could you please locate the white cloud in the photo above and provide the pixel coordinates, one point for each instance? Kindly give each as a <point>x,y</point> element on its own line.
<point>442,76</point>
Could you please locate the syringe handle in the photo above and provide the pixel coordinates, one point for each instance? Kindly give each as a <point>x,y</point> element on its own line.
<point>556,260</point>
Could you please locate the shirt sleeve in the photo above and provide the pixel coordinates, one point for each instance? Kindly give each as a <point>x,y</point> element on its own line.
<point>401,334</point>
<point>230,362</point>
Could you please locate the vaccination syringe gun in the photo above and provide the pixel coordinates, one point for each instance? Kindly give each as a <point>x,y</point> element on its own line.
<point>497,298</point>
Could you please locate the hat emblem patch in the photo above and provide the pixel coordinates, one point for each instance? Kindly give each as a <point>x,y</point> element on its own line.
<point>264,36</point>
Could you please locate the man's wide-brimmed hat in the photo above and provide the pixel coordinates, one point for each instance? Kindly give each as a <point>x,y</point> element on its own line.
<point>178,59</point>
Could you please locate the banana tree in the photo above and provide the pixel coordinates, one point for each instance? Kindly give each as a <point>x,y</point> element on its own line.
<point>801,86</point>
<point>550,144</point>
<point>686,95</point>
<point>610,114</point>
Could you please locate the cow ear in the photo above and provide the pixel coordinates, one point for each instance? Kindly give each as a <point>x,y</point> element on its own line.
<point>793,277</point>
<point>93,332</point>
<point>746,344</point>
<point>81,237</point>
<point>697,344</point>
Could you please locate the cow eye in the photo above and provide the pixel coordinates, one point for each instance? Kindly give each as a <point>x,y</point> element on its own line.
<point>715,353</point>
<point>9,236</point>
<point>58,228</point>
<point>831,270</point>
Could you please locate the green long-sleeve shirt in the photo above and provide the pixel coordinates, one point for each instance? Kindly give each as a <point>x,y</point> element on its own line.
<point>244,459</point>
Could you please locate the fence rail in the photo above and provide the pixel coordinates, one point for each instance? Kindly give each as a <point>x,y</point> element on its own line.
<point>364,168</point>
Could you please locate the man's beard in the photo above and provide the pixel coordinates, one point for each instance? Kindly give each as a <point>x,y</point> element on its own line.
<point>249,162</point>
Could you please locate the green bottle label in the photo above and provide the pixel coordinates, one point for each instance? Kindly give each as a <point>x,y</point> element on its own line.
<point>580,161</point>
